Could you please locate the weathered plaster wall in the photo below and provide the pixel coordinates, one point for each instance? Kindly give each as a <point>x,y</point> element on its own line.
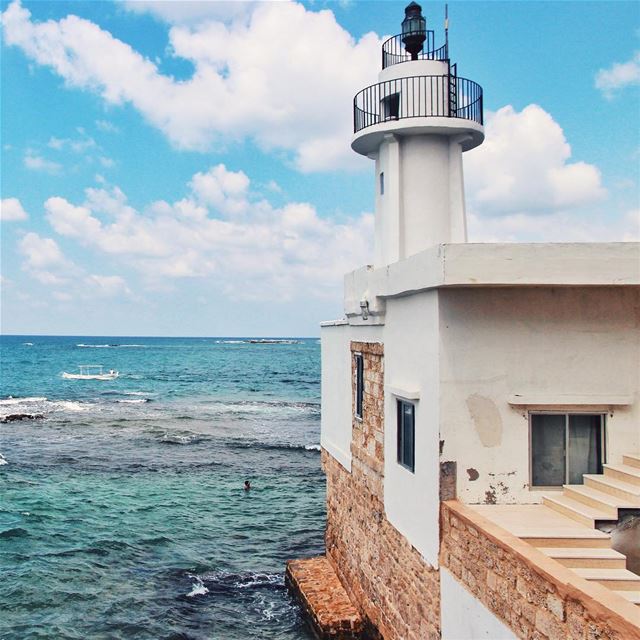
<point>411,500</point>
<point>547,341</point>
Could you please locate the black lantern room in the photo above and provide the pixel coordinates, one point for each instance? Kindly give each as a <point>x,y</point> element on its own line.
<point>414,29</point>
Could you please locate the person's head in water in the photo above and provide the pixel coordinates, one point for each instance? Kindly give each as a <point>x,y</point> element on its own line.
<point>247,485</point>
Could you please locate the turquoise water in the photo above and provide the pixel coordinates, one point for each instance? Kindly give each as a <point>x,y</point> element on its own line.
<point>122,513</point>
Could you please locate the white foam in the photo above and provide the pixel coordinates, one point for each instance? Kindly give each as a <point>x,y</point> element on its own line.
<point>28,344</point>
<point>138,393</point>
<point>312,447</point>
<point>137,401</point>
<point>94,346</point>
<point>3,460</point>
<point>12,401</point>
<point>197,589</point>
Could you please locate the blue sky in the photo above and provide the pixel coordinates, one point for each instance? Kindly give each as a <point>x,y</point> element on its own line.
<point>183,168</point>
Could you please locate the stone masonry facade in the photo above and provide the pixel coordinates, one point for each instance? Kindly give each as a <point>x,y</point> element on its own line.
<point>536,603</point>
<point>385,577</point>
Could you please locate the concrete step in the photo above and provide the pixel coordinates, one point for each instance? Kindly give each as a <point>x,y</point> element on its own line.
<point>616,579</point>
<point>576,510</point>
<point>598,499</point>
<point>614,487</point>
<point>631,459</point>
<point>631,596</point>
<point>586,539</point>
<point>586,557</point>
<point>623,472</point>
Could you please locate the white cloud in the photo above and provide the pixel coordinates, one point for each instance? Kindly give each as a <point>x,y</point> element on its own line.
<point>245,247</point>
<point>106,126</point>
<point>11,210</point>
<point>107,285</point>
<point>272,78</point>
<point>38,163</point>
<point>524,167</point>
<point>618,76</point>
<point>77,145</point>
<point>191,11</point>
<point>41,252</point>
<point>555,227</point>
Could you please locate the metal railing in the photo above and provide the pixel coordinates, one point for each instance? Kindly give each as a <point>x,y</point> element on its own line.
<point>393,50</point>
<point>445,96</point>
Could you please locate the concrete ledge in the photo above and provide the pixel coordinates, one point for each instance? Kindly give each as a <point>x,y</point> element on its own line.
<point>316,586</point>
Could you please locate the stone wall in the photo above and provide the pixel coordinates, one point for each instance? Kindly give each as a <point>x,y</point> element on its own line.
<point>387,579</point>
<point>534,595</point>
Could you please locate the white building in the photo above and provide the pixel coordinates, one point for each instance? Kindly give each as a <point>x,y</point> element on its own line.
<point>510,375</point>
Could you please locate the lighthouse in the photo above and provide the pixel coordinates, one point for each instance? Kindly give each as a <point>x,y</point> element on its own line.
<point>480,401</point>
<point>415,123</point>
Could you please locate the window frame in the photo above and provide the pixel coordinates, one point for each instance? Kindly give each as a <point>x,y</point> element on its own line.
<point>358,411</point>
<point>567,414</point>
<point>401,434</point>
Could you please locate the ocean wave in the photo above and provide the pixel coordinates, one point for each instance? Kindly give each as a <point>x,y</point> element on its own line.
<point>136,401</point>
<point>3,460</point>
<point>197,588</point>
<point>112,346</point>
<point>38,405</point>
<point>12,401</point>
<point>179,438</point>
<point>271,446</point>
<point>94,346</point>
<point>261,406</point>
<point>248,580</point>
<point>27,344</point>
<point>261,341</point>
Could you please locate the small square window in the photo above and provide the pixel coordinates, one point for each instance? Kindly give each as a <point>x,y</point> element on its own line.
<point>382,183</point>
<point>406,434</point>
<point>359,383</point>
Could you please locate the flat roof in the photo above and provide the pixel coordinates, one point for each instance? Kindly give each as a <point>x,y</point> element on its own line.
<point>506,265</point>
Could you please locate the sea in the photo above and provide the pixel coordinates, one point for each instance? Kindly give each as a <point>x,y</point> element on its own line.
<point>123,512</point>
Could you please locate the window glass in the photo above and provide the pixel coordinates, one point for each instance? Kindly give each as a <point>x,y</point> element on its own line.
<point>406,434</point>
<point>359,384</point>
<point>564,447</point>
<point>584,446</point>
<point>547,450</point>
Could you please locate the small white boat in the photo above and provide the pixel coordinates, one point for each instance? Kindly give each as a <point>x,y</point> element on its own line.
<point>91,372</point>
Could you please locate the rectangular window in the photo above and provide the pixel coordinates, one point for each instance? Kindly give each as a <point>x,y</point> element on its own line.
<point>391,107</point>
<point>382,183</point>
<point>406,434</point>
<point>564,447</point>
<point>359,384</point>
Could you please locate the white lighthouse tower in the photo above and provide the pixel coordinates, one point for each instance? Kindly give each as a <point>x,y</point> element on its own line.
<point>415,123</point>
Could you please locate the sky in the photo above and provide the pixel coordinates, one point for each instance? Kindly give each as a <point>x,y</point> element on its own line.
<point>184,168</point>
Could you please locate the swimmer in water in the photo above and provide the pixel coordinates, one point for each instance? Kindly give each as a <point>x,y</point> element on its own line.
<point>247,485</point>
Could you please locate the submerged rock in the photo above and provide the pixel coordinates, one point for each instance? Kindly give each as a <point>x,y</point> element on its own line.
<point>16,417</point>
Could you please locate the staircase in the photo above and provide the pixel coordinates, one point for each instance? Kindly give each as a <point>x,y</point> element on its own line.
<point>598,501</point>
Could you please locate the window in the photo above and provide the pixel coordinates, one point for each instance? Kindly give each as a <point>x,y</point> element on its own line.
<point>359,384</point>
<point>406,434</point>
<point>564,447</point>
<point>382,183</point>
<point>391,107</point>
